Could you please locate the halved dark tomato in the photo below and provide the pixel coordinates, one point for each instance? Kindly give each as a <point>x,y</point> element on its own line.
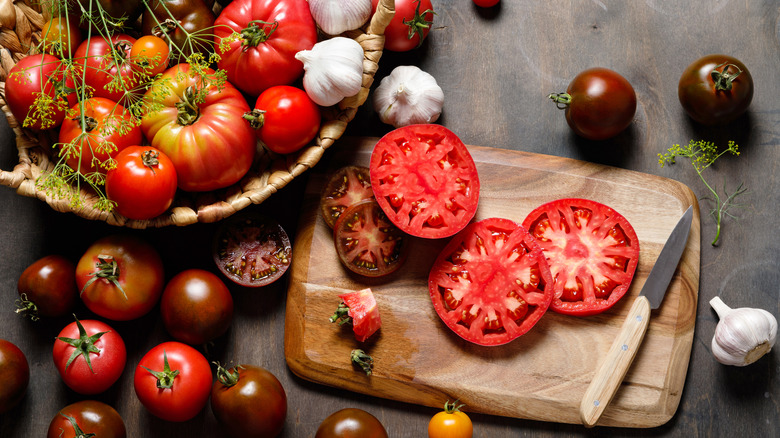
<point>252,249</point>
<point>425,180</point>
<point>592,251</point>
<point>491,283</point>
<point>347,186</point>
<point>367,242</point>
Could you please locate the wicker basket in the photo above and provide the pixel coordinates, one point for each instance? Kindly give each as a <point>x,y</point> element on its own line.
<point>20,29</point>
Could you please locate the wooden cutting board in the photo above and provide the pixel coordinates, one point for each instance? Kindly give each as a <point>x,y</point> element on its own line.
<point>543,374</point>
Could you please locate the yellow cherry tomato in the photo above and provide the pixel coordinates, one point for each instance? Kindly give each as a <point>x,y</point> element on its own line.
<point>450,423</point>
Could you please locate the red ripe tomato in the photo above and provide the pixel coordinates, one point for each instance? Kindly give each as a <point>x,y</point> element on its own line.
<point>196,307</point>
<point>346,187</point>
<point>715,89</point>
<point>173,381</point>
<point>14,375</point>
<point>95,130</point>
<point>486,4</point>
<point>367,242</point>
<point>61,36</point>
<point>150,54</point>
<point>120,277</point>
<point>409,26</point>
<point>599,103</point>
<point>47,287</point>
<point>38,93</point>
<point>491,283</point>
<point>285,119</point>
<point>209,144</point>
<point>87,418</point>
<point>143,183</point>
<point>425,180</point>
<point>450,423</point>
<point>592,251</point>
<point>107,67</point>
<point>90,356</point>
<point>249,402</point>
<point>351,423</point>
<point>272,32</point>
<point>359,309</point>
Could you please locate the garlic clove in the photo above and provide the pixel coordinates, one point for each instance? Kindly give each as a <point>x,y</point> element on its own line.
<point>338,16</point>
<point>333,70</point>
<point>408,96</point>
<point>742,335</point>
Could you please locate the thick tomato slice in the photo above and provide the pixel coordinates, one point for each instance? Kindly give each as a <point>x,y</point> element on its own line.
<point>346,187</point>
<point>425,180</point>
<point>491,283</point>
<point>367,242</point>
<point>362,311</point>
<point>592,251</point>
<point>252,250</point>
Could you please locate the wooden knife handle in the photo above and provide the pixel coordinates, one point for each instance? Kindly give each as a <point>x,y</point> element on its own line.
<point>613,367</point>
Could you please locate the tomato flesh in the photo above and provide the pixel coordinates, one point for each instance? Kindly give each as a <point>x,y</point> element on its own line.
<point>592,251</point>
<point>346,187</point>
<point>491,283</point>
<point>364,313</point>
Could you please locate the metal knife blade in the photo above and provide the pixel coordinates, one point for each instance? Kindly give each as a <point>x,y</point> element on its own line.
<point>614,366</point>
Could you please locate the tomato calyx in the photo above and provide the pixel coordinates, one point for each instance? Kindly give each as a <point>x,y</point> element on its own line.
<point>189,112</point>
<point>225,376</point>
<point>453,407</point>
<point>76,428</point>
<point>257,32</point>
<point>83,345</point>
<point>363,360</point>
<point>166,377</point>
<point>418,24</point>
<point>27,308</point>
<point>164,28</point>
<point>256,118</point>
<point>562,100</point>
<point>150,158</point>
<point>107,268</point>
<point>341,315</point>
<point>724,78</point>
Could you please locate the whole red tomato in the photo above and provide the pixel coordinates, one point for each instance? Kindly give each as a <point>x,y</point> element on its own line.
<point>185,24</point>
<point>143,183</point>
<point>89,355</point>
<point>173,381</point>
<point>410,24</point>
<point>285,118</point>
<point>120,277</point>
<point>47,287</point>
<point>200,128</point>
<point>715,89</point>
<point>38,93</point>
<point>486,3</point>
<point>89,136</point>
<point>272,32</point>
<point>85,418</point>
<point>351,423</point>
<point>196,307</point>
<point>107,67</point>
<point>599,103</point>
<point>14,375</point>
<point>249,401</point>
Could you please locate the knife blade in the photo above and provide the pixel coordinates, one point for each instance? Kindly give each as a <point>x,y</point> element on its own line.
<point>615,364</point>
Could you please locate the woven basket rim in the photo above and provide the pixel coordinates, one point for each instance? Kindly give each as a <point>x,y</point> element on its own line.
<point>270,173</point>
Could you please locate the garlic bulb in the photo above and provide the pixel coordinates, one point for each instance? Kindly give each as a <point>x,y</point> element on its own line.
<point>337,16</point>
<point>743,335</point>
<point>333,70</point>
<point>408,96</point>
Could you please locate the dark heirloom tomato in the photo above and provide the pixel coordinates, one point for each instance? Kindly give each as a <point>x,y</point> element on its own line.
<point>367,243</point>
<point>109,70</point>
<point>599,103</point>
<point>592,251</point>
<point>360,310</point>
<point>715,89</point>
<point>252,250</point>
<point>129,9</point>
<point>249,401</point>
<point>491,283</point>
<point>425,180</point>
<point>87,417</point>
<point>39,78</point>
<point>172,20</point>
<point>143,183</point>
<point>14,375</point>
<point>346,187</point>
<point>47,287</point>
<point>285,119</point>
<point>351,423</point>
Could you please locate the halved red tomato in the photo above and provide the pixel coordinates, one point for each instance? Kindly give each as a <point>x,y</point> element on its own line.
<point>346,187</point>
<point>359,309</point>
<point>592,251</point>
<point>367,242</point>
<point>491,283</point>
<point>425,180</point>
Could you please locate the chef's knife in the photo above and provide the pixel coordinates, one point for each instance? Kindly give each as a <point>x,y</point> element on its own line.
<point>613,367</point>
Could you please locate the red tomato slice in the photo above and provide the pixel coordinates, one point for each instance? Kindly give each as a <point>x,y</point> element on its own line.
<point>364,313</point>
<point>346,187</point>
<point>490,284</point>
<point>425,180</point>
<point>592,251</point>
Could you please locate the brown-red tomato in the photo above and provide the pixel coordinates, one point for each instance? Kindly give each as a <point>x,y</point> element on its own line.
<point>47,287</point>
<point>14,375</point>
<point>715,89</point>
<point>86,417</point>
<point>351,423</point>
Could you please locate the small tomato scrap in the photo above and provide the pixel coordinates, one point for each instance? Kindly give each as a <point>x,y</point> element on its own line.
<point>450,423</point>
<point>359,309</point>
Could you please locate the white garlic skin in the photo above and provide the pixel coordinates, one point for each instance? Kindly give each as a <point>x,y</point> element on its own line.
<point>337,16</point>
<point>742,335</point>
<point>333,70</point>
<point>408,96</point>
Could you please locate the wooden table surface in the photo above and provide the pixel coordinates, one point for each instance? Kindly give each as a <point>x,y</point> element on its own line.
<point>496,67</point>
